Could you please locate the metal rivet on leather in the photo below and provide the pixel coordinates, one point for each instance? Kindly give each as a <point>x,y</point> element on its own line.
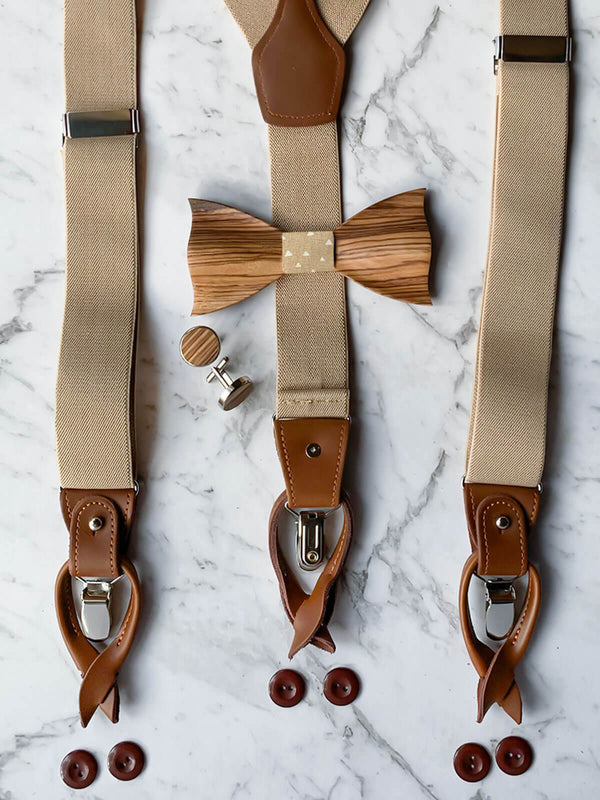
<point>286,688</point>
<point>472,762</point>
<point>313,450</point>
<point>199,346</point>
<point>341,686</point>
<point>78,769</point>
<point>126,761</point>
<point>514,755</point>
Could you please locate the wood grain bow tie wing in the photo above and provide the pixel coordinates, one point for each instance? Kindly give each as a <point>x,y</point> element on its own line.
<point>386,247</point>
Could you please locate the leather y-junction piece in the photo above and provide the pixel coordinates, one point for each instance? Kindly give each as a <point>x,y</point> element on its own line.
<point>299,64</point>
<point>94,391</point>
<point>506,446</point>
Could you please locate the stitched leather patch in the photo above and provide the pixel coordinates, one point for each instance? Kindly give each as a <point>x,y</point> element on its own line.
<point>501,551</point>
<point>312,482</point>
<point>527,497</point>
<point>298,67</point>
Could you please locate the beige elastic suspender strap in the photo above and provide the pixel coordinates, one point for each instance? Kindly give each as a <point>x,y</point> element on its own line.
<point>508,419</point>
<point>312,349</point>
<point>505,455</point>
<point>94,393</point>
<point>94,413</point>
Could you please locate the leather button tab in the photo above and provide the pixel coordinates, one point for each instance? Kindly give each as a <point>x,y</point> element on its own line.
<point>514,755</point>
<point>78,769</point>
<point>472,762</point>
<point>126,761</point>
<point>287,688</point>
<point>341,686</point>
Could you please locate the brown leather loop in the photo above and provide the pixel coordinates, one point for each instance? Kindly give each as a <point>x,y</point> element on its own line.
<point>99,670</point>
<point>309,614</point>
<point>496,669</point>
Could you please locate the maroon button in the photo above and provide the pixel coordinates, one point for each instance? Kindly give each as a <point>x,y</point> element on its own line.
<point>286,688</point>
<point>78,769</point>
<point>514,755</point>
<point>341,686</point>
<point>472,762</point>
<point>126,761</point>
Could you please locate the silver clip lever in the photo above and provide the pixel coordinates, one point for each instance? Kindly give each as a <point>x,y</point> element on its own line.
<point>95,607</point>
<point>310,539</point>
<point>500,608</point>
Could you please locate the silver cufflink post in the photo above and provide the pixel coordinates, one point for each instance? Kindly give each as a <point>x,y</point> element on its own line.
<point>236,391</point>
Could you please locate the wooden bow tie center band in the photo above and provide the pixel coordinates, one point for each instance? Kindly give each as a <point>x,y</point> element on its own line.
<point>299,64</point>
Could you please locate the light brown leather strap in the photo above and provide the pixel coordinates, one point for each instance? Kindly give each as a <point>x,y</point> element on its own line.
<point>94,392</point>
<point>309,613</point>
<point>505,451</point>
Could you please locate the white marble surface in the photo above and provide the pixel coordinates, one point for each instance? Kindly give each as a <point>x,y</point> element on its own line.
<point>418,111</point>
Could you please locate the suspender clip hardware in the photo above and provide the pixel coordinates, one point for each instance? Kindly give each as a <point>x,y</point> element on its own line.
<point>95,607</point>
<point>310,536</point>
<point>88,124</point>
<point>500,607</point>
<point>533,49</point>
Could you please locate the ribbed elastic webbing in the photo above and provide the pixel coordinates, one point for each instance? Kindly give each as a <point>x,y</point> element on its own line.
<point>312,349</point>
<point>94,414</point>
<point>508,419</point>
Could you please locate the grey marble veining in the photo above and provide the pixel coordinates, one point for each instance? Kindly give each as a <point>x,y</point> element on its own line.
<point>418,111</point>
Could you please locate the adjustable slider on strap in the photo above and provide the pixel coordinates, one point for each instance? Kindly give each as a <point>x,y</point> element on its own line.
<point>533,49</point>
<point>89,124</point>
<point>96,617</point>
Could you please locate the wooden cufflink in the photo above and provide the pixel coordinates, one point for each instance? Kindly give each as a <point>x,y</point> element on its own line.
<point>200,346</point>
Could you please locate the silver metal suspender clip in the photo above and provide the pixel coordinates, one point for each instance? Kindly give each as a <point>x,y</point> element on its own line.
<point>95,607</point>
<point>88,124</point>
<point>310,536</point>
<point>500,605</point>
<point>536,49</point>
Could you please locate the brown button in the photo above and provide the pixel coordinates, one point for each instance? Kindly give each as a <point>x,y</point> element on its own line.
<point>126,761</point>
<point>514,755</point>
<point>341,686</point>
<point>286,688</point>
<point>472,762</point>
<point>78,769</point>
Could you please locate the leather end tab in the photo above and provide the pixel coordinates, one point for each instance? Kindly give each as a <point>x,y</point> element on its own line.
<point>312,453</point>
<point>500,519</point>
<point>298,67</point>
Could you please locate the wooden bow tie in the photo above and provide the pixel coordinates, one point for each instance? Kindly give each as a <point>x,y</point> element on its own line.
<point>232,255</point>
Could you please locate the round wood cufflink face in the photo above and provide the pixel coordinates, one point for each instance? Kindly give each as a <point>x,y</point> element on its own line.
<point>514,755</point>
<point>341,686</point>
<point>472,762</point>
<point>199,346</point>
<point>287,688</point>
<point>78,769</point>
<point>126,761</point>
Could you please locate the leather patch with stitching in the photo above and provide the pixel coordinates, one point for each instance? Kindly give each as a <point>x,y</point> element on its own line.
<point>298,67</point>
<point>312,482</point>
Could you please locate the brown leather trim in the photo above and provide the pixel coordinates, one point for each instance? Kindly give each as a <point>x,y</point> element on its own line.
<point>501,552</point>
<point>496,670</point>
<point>309,614</point>
<point>99,670</point>
<point>97,553</point>
<point>298,67</point>
<point>312,482</point>
<point>527,497</point>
